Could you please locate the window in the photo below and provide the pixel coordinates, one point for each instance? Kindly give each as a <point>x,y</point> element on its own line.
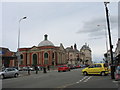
<point>92,66</point>
<point>34,59</point>
<point>98,65</point>
<point>46,55</point>
<point>21,56</point>
<point>53,55</point>
<point>46,58</point>
<point>9,69</point>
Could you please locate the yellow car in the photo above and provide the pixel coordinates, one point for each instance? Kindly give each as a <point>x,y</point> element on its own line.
<point>98,68</point>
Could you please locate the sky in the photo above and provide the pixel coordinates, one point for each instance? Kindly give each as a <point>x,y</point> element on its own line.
<point>64,22</point>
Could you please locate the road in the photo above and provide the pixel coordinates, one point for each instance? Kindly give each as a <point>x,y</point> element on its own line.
<point>54,79</point>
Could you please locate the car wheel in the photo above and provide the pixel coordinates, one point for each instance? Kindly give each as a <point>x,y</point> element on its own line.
<point>2,76</point>
<point>16,75</point>
<point>85,73</point>
<point>58,71</point>
<point>103,73</point>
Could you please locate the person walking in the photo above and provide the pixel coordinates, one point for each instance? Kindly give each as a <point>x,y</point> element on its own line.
<point>48,67</point>
<point>36,69</point>
<point>28,68</point>
<point>44,70</point>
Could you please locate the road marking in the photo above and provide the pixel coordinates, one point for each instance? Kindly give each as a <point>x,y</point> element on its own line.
<point>77,82</point>
<point>87,79</point>
<point>83,78</point>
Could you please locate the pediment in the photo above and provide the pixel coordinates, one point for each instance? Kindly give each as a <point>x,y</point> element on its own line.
<point>34,48</point>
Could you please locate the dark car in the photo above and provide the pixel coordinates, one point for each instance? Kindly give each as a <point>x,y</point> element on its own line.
<point>72,66</point>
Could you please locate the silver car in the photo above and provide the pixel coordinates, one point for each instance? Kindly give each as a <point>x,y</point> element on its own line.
<point>9,72</point>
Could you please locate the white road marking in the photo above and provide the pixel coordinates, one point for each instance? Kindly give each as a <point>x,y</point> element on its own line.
<point>87,79</point>
<point>83,78</point>
<point>77,82</point>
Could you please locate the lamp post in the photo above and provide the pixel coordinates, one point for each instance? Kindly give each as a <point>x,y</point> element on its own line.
<point>18,53</point>
<point>110,42</point>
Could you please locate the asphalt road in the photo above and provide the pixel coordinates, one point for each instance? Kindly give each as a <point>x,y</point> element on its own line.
<point>54,79</point>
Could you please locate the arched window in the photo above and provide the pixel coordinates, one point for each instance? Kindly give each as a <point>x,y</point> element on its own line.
<point>34,59</point>
<point>53,55</point>
<point>46,58</point>
<point>46,55</point>
<point>21,56</point>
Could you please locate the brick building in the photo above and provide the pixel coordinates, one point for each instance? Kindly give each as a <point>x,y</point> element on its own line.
<point>7,58</point>
<point>42,55</point>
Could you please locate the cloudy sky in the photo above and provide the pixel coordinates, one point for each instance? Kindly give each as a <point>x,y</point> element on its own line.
<point>64,22</point>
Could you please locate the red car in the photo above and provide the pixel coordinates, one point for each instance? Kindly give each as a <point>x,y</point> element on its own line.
<point>63,68</point>
<point>78,66</point>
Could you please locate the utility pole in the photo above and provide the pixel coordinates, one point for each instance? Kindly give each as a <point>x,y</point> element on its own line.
<point>110,42</point>
<point>18,52</point>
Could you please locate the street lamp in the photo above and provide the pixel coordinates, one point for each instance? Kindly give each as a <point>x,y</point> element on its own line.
<point>111,46</point>
<point>18,53</point>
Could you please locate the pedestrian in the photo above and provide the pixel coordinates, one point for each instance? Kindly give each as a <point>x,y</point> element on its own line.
<point>44,70</point>
<point>36,69</point>
<point>48,67</point>
<point>28,68</point>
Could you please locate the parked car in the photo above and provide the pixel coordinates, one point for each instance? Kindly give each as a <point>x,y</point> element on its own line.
<point>83,66</point>
<point>26,68</point>
<point>63,68</point>
<point>77,66</point>
<point>9,72</point>
<point>98,68</point>
<point>117,73</point>
<point>72,66</point>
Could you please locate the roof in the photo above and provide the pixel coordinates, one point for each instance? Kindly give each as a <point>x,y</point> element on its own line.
<point>45,42</point>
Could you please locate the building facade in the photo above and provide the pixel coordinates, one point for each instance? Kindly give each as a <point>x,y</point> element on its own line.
<point>46,53</point>
<point>85,55</point>
<point>117,52</point>
<point>7,58</point>
<point>73,55</point>
<point>42,55</point>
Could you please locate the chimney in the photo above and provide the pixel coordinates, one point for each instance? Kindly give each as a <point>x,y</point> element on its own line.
<point>75,46</point>
<point>45,36</point>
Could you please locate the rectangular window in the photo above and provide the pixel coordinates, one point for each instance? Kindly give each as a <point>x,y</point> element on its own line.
<point>98,65</point>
